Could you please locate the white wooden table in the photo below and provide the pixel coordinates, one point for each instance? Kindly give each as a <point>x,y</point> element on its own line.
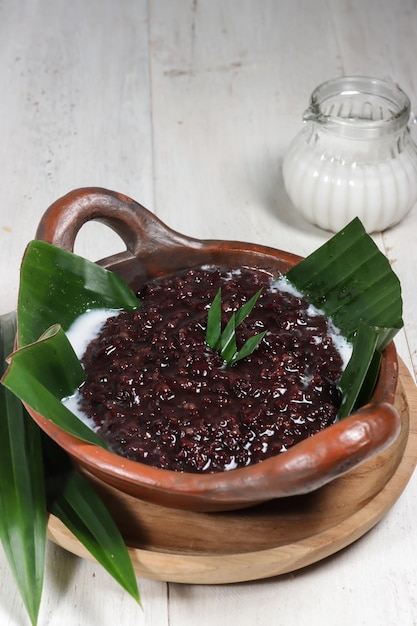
<point>188,106</point>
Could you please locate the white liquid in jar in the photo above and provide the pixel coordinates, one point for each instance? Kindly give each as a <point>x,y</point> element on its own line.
<point>330,187</point>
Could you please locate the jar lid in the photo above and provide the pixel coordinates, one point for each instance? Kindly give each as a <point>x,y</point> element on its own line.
<point>359,106</point>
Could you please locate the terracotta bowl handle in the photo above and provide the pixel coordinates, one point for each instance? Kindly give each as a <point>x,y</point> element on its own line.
<point>140,229</point>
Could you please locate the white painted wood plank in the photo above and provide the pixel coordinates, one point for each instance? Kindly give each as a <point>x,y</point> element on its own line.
<point>230,82</point>
<point>79,592</point>
<point>76,112</point>
<point>378,39</point>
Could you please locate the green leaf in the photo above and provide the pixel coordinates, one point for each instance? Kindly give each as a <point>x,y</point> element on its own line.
<point>43,373</point>
<point>352,281</point>
<point>23,518</point>
<point>356,372</point>
<point>214,322</point>
<point>70,497</point>
<point>57,286</point>
<point>249,346</point>
<point>246,308</point>
<point>369,381</point>
<point>228,340</point>
<point>73,500</point>
<point>224,342</point>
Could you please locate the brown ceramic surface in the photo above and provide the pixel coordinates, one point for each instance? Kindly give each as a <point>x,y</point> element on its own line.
<point>153,249</point>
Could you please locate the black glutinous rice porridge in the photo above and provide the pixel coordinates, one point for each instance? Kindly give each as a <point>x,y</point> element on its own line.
<point>156,393</point>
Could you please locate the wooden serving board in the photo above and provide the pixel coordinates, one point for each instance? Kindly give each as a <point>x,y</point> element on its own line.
<point>275,538</point>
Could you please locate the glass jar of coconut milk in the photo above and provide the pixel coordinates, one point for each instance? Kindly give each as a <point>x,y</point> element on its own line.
<point>354,156</point>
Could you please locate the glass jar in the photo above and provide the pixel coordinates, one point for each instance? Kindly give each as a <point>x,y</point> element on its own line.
<point>354,156</point>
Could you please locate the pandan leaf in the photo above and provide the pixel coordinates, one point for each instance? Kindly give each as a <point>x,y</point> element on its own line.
<point>246,309</point>
<point>73,500</point>
<point>357,370</point>
<point>43,373</point>
<point>23,519</point>
<point>352,281</point>
<point>214,321</point>
<point>249,346</point>
<point>228,346</point>
<point>23,506</point>
<point>57,286</point>
<point>224,341</point>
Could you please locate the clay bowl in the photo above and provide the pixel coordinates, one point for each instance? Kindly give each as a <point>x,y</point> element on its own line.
<point>153,249</point>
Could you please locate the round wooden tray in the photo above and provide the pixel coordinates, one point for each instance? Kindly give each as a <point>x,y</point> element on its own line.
<point>275,538</point>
